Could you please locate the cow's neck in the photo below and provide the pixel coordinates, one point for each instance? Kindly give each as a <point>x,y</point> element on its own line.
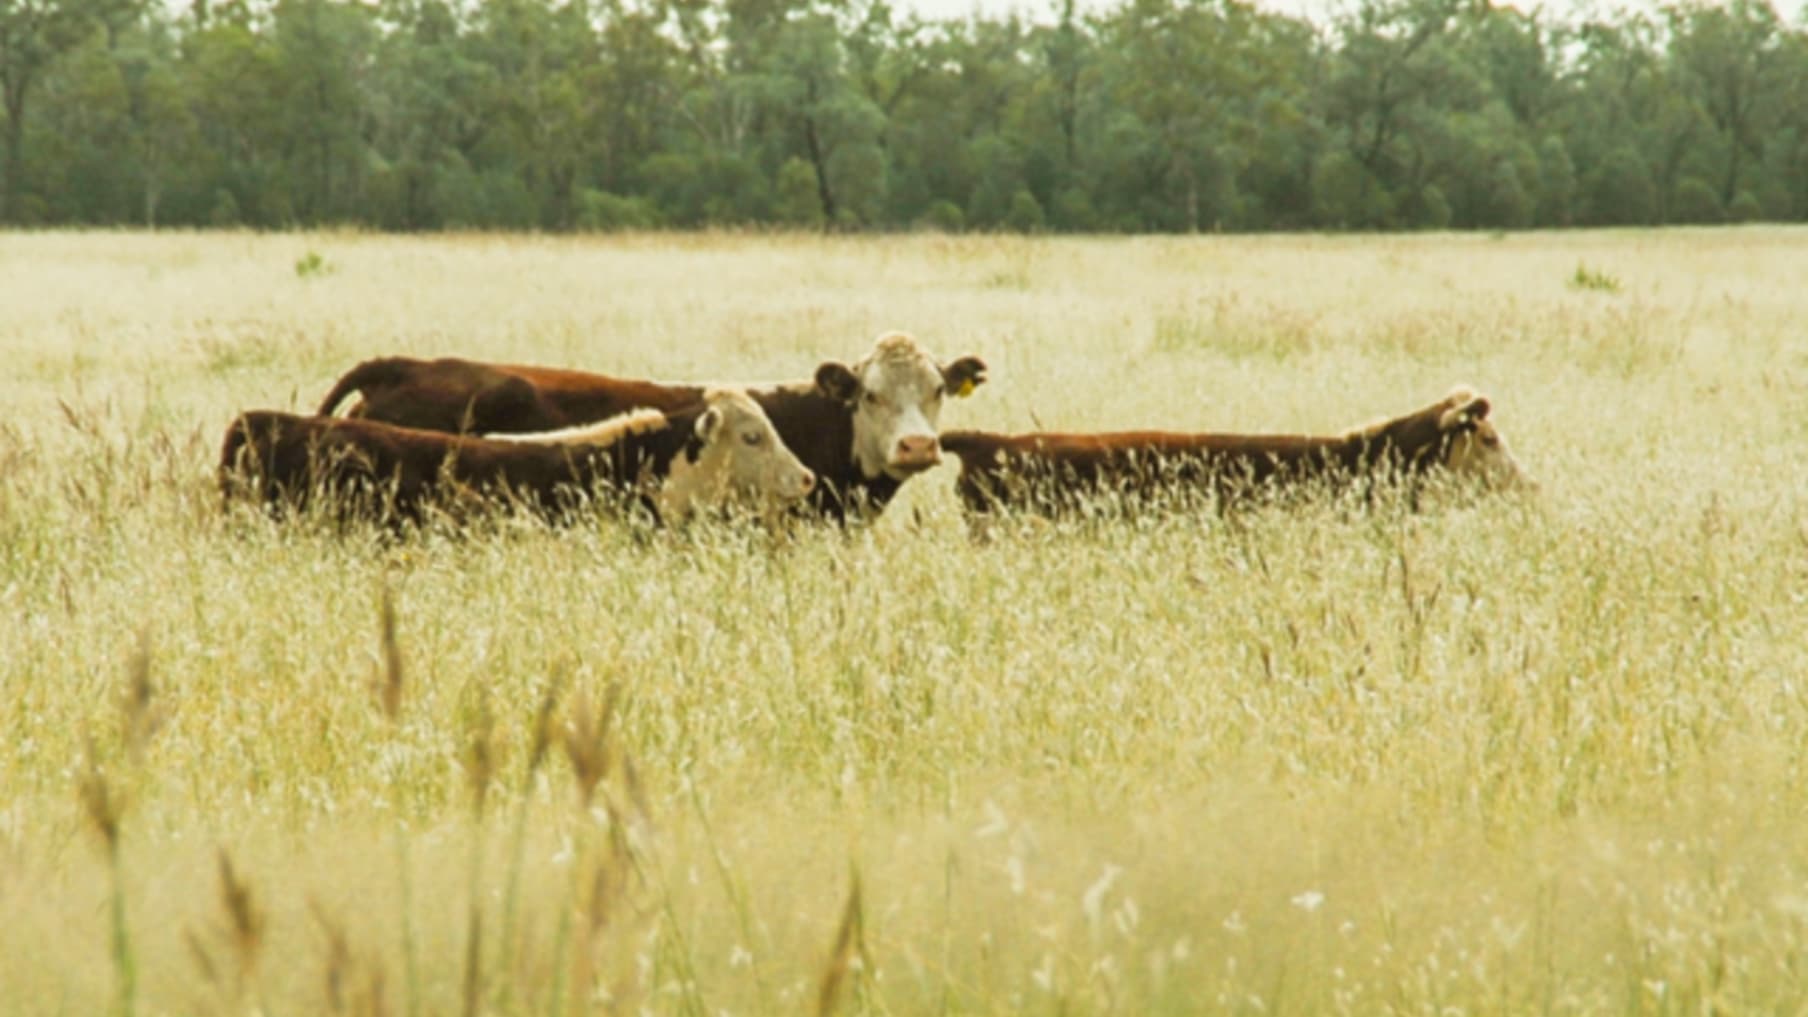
<point>1409,443</point>
<point>637,456</point>
<point>820,432</point>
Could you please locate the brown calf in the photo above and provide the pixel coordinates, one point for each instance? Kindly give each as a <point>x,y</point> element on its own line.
<point>1052,474</point>
<point>721,450</point>
<point>864,428</point>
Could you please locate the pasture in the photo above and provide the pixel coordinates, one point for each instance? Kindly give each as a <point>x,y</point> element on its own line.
<point>1507,756</point>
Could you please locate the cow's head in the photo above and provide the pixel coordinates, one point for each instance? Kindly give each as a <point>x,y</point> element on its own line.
<point>1472,446</point>
<point>734,456</point>
<point>896,394</point>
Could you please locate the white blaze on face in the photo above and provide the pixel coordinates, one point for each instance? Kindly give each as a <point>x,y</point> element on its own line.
<point>896,395</point>
<point>742,460</point>
<point>1478,450</point>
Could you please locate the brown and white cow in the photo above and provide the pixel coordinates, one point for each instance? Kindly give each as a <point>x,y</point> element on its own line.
<point>1053,473</point>
<point>721,451</point>
<point>863,428</point>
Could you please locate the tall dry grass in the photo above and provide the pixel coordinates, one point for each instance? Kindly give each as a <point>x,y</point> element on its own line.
<point>1508,757</point>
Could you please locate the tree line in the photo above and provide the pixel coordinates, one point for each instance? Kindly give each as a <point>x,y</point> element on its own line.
<point>1150,115</point>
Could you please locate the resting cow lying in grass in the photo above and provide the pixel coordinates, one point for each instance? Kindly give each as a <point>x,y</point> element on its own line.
<point>1052,474</point>
<point>720,451</point>
<point>864,429</point>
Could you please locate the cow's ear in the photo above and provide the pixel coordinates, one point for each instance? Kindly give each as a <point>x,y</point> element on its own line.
<point>964,375</point>
<point>707,423</point>
<point>837,381</point>
<point>1465,414</point>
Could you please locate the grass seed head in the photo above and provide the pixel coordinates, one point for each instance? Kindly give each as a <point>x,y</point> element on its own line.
<point>587,743</point>
<point>244,920</point>
<point>850,944</point>
<point>389,688</point>
<point>139,706</point>
<point>100,801</point>
<point>480,755</point>
<point>540,738</point>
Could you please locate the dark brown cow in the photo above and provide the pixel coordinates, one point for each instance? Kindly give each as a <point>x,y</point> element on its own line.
<point>863,428</point>
<point>721,450</point>
<point>1051,474</point>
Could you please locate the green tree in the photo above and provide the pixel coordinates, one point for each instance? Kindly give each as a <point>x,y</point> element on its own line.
<point>1393,89</point>
<point>426,111</point>
<point>1556,183</point>
<point>1620,191</point>
<point>1182,67</point>
<point>1726,56</point>
<point>34,34</point>
<point>796,203</point>
<point>1696,203</point>
<point>804,87</point>
<point>321,52</point>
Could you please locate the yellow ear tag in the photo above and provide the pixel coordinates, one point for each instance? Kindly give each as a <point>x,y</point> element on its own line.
<point>965,390</point>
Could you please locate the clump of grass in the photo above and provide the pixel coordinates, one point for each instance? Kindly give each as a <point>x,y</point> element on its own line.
<point>1586,278</point>
<point>312,265</point>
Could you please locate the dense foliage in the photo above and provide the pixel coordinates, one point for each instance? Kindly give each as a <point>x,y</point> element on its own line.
<point>1151,115</point>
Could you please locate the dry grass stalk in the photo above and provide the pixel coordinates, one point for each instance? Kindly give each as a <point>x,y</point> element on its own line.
<point>347,993</point>
<point>610,917</point>
<point>142,713</point>
<point>100,802</point>
<point>480,767</point>
<point>588,745</point>
<point>244,919</point>
<point>389,687</point>
<point>242,934</point>
<point>338,958</point>
<point>540,738</point>
<point>203,958</point>
<point>104,807</point>
<point>480,756</point>
<point>849,948</point>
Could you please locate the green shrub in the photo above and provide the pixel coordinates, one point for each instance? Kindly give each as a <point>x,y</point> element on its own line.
<point>1745,208</point>
<point>1025,215</point>
<point>311,265</point>
<point>1593,279</point>
<point>607,212</point>
<point>944,215</point>
<point>1695,203</point>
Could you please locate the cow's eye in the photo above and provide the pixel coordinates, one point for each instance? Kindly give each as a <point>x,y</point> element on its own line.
<point>872,398</point>
<point>753,438</point>
<point>1490,440</point>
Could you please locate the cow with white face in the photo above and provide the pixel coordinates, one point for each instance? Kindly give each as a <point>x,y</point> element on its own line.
<point>737,459</point>
<point>1477,449</point>
<point>895,394</point>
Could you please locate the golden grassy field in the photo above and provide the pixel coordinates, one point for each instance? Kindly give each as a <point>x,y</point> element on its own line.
<point>1504,757</point>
